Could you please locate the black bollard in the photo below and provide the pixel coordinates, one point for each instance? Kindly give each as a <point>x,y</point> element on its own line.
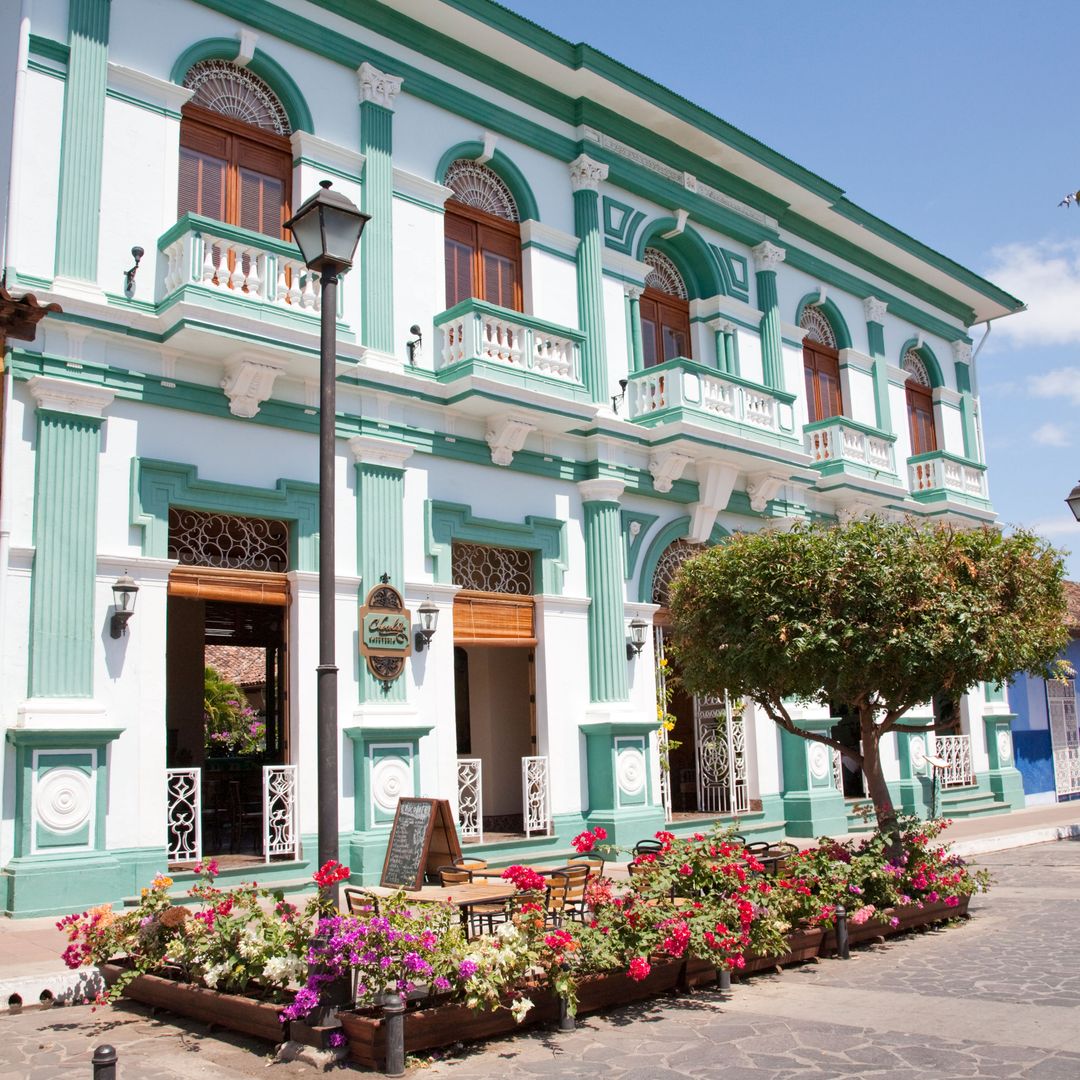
<point>394,1022</point>
<point>566,1021</point>
<point>724,982</point>
<point>843,950</point>
<point>104,1062</point>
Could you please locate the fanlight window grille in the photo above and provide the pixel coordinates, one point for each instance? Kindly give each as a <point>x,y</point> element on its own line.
<point>668,566</point>
<point>817,327</point>
<point>915,364</point>
<point>224,88</point>
<point>478,186</point>
<point>227,541</point>
<point>664,275</point>
<point>492,569</point>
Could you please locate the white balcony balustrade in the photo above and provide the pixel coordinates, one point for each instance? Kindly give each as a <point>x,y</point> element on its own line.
<point>475,331</point>
<point>955,751</point>
<point>939,474</point>
<point>662,392</point>
<point>238,264</point>
<point>838,440</point>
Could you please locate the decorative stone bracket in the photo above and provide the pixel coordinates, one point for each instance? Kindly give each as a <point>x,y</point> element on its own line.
<point>761,488</point>
<point>248,382</point>
<point>666,467</point>
<point>506,435</point>
<point>716,481</point>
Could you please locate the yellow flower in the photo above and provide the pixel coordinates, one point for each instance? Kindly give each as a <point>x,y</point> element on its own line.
<point>663,661</point>
<point>161,881</point>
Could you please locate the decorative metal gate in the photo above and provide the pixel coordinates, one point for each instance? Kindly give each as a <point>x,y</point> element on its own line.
<point>281,831</point>
<point>183,789</point>
<point>1064,737</point>
<point>535,795</point>
<point>470,798</point>
<point>955,751</point>
<point>662,737</point>
<point>721,756</point>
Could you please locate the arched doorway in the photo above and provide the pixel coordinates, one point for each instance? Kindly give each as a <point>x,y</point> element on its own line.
<point>707,771</point>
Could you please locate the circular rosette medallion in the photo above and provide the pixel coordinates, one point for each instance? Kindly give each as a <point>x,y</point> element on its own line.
<point>63,800</point>
<point>1004,745</point>
<point>391,778</point>
<point>917,747</point>
<point>818,756</point>
<point>631,770</point>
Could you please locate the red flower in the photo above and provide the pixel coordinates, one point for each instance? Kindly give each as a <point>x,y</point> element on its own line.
<point>600,832</point>
<point>330,873</point>
<point>639,969</point>
<point>524,878</point>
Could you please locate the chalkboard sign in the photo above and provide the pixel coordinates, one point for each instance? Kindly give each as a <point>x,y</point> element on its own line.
<point>422,839</point>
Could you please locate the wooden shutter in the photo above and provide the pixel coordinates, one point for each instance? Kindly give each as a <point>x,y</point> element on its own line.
<point>665,327</point>
<point>675,319</point>
<point>500,255</point>
<point>822,371</point>
<point>650,331</point>
<point>203,171</point>
<point>483,257</point>
<point>493,619</point>
<point>921,420</point>
<point>460,247</point>
<point>261,188</point>
<point>237,586</point>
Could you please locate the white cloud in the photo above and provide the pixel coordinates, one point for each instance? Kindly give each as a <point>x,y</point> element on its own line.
<point>1065,526</point>
<point>1051,434</point>
<point>1063,383</point>
<point>1046,276</point>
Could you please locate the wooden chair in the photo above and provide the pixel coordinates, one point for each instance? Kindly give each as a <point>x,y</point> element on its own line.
<point>780,856</point>
<point>360,901</point>
<point>578,874</point>
<point>558,894</point>
<point>243,820</point>
<point>453,875</point>
<point>471,863</point>
<point>644,847</point>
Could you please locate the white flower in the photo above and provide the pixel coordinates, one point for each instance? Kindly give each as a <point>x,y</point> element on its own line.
<point>520,1007</point>
<point>283,969</point>
<point>507,931</point>
<point>214,974</point>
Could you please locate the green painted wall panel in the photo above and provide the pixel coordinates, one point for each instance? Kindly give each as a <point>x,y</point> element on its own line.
<point>590,292</point>
<point>772,350</point>
<point>603,580</point>
<point>377,240</point>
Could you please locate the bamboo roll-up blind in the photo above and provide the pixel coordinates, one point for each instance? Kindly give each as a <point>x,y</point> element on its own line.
<point>486,619</point>
<point>241,587</point>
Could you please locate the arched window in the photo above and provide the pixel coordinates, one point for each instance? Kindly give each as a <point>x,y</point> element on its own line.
<point>483,238</point>
<point>235,154</point>
<point>821,365</point>
<point>920,404</point>
<point>665,311</point>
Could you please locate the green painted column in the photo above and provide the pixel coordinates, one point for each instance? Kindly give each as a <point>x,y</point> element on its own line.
<point>962,354</point>
<point>377,93</point>
<point>727,359</point>
<point>62,627</point>
<point>585,177</point>
<point>1005,780</point>
<point>767,257</point>
<point>82,140</point>
<point>812,804</point>
<point>633,327</point>
<point>916,781</point>
<point>875,335</point>
<point>604,584</point>
<point>380,534</point>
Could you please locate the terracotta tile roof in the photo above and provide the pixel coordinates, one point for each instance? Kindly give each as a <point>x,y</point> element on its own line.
<point>240,664</point>
<point>1072,601</point>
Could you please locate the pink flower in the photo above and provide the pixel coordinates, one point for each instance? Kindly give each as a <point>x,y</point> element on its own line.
<point>639,969</point>
<point>862,915</point>
<point>894,921</point>
<point>952,901</point>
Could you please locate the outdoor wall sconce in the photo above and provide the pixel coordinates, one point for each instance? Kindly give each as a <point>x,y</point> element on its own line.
<point>413,347</point>
<point>429,621</point>
<point>621,396</point>
<point>129,275</point>
<point>638,629</point>
<point>1073,500</point>
<point>124,592</point>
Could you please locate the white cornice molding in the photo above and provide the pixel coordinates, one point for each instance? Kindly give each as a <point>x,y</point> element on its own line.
<point>377,86</point>
<point>603,489</point>
<point>369,450</point>
<point>793,332</point>
<point>323,152</point>
<point>307,583</point>
<point>536,232</point>
<point>947,396</point>
<point>858,360</point>
<point>411,186</point>
<point>60,395</point>
<point>615,262</point>
<point>550,604</point>
<point>58,713</point>
<point>148,89</point>
<point>640,611</point>
<point>143,569</point>
<point>435,591</point>
<point>725,307</point>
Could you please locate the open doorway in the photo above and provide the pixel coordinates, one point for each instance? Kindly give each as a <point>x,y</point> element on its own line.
<point>846,732</point>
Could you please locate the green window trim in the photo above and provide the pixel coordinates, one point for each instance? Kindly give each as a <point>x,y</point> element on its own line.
<point>832,313</point>
<point>926,354</point>
<point>672,531</point>
<point>446,522</point>
<point>158,485</point>
<point>500,164</point>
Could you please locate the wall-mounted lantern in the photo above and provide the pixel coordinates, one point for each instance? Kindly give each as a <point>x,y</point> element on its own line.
<point>124,592</point>
<point>638,629</point>
<point>1073,499</point>
<point>429,623</point>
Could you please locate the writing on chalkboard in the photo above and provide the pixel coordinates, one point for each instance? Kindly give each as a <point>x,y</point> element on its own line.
<point>422,839</point>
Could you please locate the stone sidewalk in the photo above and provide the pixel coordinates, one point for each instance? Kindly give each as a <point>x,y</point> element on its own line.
<point>997,996</point>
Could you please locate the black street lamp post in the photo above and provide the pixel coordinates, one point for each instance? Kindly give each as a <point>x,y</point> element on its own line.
<point>1073,500</point>
<point>327,228</point>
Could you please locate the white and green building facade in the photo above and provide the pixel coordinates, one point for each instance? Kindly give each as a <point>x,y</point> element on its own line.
<point>630,345</point>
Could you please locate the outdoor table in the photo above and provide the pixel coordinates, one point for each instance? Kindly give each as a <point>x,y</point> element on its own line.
<point>465,896</point>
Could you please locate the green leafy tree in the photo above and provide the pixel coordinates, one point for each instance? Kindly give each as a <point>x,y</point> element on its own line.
<point>876,616</point>
<point>231,724</point>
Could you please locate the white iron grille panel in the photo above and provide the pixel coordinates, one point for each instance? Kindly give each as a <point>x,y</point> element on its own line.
<point>661,692</point>
<point>837,770</point>
<point>818,328</point>
<point>1064,736</point>
<point>282,837</point>
<point>914,364</point>
<point>482,188</point>
<point>664,275</point>
<point>955,750</point>
<point>667,566</point>
<point>197,538</point>
<point>224,88</point>
<point>492,569</point>
<point>1067,770</point>
<point>470,798</point>
<point>183,800</point>
<point>534,794</point>
<point>721,756</point>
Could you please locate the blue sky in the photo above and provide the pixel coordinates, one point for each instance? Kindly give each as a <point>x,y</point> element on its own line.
<point>955,121</point>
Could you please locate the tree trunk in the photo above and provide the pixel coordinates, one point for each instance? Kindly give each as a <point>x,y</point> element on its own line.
<point>876,787</point>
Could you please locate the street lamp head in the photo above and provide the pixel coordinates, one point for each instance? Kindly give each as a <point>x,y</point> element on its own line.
<point>1073,499</point>
<point>327,228</point>
<point>124,592</point>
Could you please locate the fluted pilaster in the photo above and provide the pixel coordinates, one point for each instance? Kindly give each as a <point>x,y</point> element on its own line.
<point>585,177</point>
<point>766,259</point>
<point>875,337</point>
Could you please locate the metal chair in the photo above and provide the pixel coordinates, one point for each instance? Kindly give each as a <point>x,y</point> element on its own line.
<point>360,901</point>
<point>453,875</point>
<point>643,847</point>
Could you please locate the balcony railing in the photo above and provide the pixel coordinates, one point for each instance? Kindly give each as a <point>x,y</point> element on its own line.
<point>939,474</point>
<point>663,391</point>
<point>237,263</point>
<point>955,751</point>
<point>477,331</point>
<point>839,441</point>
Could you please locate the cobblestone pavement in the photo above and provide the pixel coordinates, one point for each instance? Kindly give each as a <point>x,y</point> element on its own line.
<point>998,996</point>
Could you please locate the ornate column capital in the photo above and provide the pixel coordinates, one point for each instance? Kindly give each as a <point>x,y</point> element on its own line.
<point>369,450</point>
<point>721,326</point>
<point>767,256</point>
<point>874,309</point>
<point>961,352</point>
<point>586,174</point>
<point>377,86</point>
<point>603,489</point>
<point>79,399</point>
<point>632,292</point>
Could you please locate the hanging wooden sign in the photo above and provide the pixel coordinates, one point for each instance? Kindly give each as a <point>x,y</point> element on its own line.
<point>385,632</point>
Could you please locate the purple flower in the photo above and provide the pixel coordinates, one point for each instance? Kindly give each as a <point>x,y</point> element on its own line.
<point>440,982</point>
<point>467,968</point>
<point>336,1038</point>
<point>855,889</point>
